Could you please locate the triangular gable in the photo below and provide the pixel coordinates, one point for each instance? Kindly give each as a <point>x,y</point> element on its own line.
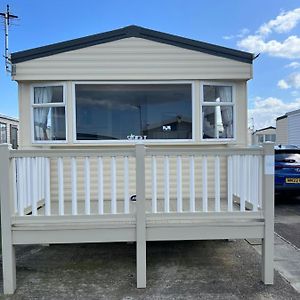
<point>128,32</point>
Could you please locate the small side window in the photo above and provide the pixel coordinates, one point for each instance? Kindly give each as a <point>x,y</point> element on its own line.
<point>49,115</point>
<point>217,112</point>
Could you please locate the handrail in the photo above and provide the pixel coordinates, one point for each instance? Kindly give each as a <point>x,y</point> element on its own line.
<point>130,151</point>
<point>203,151</point>
<point>72,152</point>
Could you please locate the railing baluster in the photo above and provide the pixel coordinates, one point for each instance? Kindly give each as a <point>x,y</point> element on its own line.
<point>255,182</point>
<point>204,184</point>
<point>238,176</point>
<point>260,204</point>
<point>47,187</point>
<point>243,182</point>
<point>60,168</point>
<point>179,184</point>
<point>154,185</point>
<point>42,178</point>
<point>87,186</point>
<point>29,183</point>
<point>126,186</point>
<point>35,180</point>
<point>100,186</point>
<point>39,179</point>
<point>15,191</point>
<point>217,183</point>
<point>166,185</point>
<point>74,185</point>
<point>192,184</point>
<point>20,187</point>
<point>25,199</point>
<point>230,181</point>
<point>113,186</point>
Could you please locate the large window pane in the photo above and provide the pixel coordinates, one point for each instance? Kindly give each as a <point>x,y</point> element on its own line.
<point>49,123</point>
<point>3,133</point>
<point>48,94</point>
<point>113,112</point>
<point>214,93</point>
<point>217,122</point>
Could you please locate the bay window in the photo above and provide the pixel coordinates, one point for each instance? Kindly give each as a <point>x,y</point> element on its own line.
<point>49,116</point>
<point>119,111</point>
<point>217,111</point>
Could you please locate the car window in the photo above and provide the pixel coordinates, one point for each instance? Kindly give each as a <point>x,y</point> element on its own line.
<point>287,157</point>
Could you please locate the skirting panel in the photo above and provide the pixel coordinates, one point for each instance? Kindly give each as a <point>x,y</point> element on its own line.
<point>65,236</point>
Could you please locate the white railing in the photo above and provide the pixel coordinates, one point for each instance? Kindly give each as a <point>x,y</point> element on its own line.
<point>30,185</point>
<point>54,182</point>
<point>97,182</point>
<point>210,180</point>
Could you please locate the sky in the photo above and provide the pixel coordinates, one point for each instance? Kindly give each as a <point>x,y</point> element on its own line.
<point>270,28</point>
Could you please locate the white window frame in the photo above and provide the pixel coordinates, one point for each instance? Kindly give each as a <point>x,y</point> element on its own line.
<point>58,104</point>
<point>206,103</point>
<point>147,141</point>
<point>6,135</point>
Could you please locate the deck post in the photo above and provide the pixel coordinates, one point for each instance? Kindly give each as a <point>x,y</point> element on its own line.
<point>8,249</point>
<point>140,217</point>
<point>268,207</point>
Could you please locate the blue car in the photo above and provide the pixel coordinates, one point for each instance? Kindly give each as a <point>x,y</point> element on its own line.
<point>287,169</point>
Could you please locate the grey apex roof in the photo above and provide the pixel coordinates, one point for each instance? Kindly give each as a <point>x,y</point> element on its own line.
<point>262,129</point>
<point>9,118</point>
<point>127,32</point>
<point>294,112</point>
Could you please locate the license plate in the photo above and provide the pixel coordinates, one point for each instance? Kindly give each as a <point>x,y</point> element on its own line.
<point>292,180</point>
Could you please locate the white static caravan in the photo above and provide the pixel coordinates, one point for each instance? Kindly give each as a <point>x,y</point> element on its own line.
<point>288,128</point>
<point>264,135</point>
<point>9,128</point>
<point>134,135</point>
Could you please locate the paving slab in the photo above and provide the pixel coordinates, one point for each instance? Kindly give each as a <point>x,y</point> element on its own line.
<point>286,260</point>
<point>175,270</point>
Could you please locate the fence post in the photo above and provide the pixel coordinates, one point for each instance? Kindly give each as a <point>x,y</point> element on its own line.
<point>8,249</point>
<point>268,207</point>
<point>140,216</point>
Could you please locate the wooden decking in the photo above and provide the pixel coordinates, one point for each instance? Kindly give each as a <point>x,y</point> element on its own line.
<point>132,206</point>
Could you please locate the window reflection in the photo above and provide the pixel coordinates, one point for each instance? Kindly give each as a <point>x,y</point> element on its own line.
<point>114,111</point>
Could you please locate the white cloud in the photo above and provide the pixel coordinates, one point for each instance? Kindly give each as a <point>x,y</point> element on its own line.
<point>283,23</point>
<point>266,110</point>
<point>293,64</point>
<point>289,48</point>
<point>240,34</point>
<point>292,81</point>
<point>282,84</point>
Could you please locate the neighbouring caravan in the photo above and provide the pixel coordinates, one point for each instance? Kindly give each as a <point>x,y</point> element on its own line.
<point>9,128</point>
<point>264,135</point>
<point>288,129</point>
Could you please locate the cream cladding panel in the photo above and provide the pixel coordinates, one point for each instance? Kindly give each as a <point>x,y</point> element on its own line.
<point>132,59</point>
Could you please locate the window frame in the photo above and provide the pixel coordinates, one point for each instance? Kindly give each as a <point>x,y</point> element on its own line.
<point>50,105</point>
<point>206,103</point>
<point>147,141</point>
<point>6,135</point>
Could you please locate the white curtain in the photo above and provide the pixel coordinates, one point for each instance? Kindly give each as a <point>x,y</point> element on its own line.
<point>41,95</point>
<point>225,94</point>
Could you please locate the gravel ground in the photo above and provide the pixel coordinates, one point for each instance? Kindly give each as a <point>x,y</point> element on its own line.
<point>175,270</point>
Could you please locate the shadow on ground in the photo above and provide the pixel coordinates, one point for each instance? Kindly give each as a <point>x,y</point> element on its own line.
<point>175,270</point>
